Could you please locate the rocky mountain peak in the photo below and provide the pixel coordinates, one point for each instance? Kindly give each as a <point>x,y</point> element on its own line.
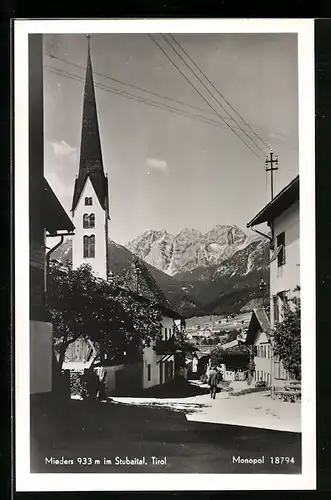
<point>190,248</point>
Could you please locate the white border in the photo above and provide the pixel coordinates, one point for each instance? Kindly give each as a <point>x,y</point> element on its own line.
<point>170,482</point>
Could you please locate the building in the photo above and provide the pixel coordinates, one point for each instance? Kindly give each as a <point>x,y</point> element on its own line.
<point>90,214</point>
<point>47,218</point>
<point>90,203</point>
<point>283,220</point>
<point>159,360</point>
<point>258,337</point>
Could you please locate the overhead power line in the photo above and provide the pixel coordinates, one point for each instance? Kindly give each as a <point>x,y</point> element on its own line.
<point>141,89</point>
<point>201,95</point>
<point>212,95</point>
<point>219,93</point>
<point>128,95</point>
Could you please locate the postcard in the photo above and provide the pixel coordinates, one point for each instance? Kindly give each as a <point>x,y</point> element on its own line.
<point>164,255</point>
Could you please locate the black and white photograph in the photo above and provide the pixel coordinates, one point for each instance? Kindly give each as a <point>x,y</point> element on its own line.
<point>164,210</point>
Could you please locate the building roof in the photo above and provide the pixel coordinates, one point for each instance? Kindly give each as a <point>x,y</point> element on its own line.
<point>148,288</point>
<point>259,323</point>
<point>91,161</point>
<point>286,198</point>
<point>230,344</point>
<point>165,310</point>
<point>46,208</point>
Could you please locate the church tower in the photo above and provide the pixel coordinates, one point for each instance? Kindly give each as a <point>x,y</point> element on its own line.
<point>90,204</point>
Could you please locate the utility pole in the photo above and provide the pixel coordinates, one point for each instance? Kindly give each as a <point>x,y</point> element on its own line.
<point>271,161</point>
<point>264,289</point>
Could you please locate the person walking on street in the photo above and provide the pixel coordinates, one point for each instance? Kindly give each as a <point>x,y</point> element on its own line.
<point>213,380</point>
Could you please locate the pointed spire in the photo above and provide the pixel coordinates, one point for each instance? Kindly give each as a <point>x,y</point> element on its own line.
<point>91,163</point>
<point>90,153</point>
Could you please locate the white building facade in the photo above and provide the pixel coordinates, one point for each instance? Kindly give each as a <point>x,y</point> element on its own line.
<point>158,366</point>
<point>258,338</point>
<point>282,216</point>
<point>285,261</point>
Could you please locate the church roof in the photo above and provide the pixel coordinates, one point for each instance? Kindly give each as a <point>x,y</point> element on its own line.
<point>91,162</point>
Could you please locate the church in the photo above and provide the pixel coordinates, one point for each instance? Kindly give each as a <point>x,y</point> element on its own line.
<point>90,216</point>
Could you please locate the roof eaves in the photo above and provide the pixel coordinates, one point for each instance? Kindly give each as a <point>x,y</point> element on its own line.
<point>264,214</point>
<point>59,219</point>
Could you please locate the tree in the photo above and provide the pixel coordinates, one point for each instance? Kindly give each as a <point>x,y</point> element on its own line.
<point>84,306</point>
<point>217,356</point>
<point>287,337</point>
<point>236,357</point>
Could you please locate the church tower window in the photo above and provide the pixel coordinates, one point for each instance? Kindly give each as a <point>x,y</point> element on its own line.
<point>88,221</point>
<point>92,220</point>
<point>85,220</point>
<point>89,246</point>
<point>88,200</point>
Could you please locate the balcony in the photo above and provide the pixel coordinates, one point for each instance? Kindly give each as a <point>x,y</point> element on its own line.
<point>172,346</point>
<point>165,346</point>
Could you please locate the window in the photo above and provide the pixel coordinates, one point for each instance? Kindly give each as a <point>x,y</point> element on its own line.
<point>275,308</point>
<point>284,297</point>
<point>281,247</point>
<point>149,372</point>
<point>89,246</point>
<point>85,221</point>
<point>88,200</point>
<point>92,220</point>
<point>169,333</point>
<point>165,334</point>
<point>88,220</point>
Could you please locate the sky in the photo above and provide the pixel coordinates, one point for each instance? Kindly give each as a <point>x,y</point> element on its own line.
<point>168,171</point>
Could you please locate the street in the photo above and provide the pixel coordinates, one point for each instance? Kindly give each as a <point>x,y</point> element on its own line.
<point>256,410</point>
<point>77,436</point>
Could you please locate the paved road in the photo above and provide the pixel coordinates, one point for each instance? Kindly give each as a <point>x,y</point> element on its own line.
<point>100,432</point>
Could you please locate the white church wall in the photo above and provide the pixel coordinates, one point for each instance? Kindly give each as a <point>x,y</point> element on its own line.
<point>98,263</point>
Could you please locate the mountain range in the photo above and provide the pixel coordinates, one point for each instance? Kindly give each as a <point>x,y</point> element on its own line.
<point>217,272</point>
<point>190,248</point>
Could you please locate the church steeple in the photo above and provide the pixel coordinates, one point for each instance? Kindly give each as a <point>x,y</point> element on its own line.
<point>91,162</point>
